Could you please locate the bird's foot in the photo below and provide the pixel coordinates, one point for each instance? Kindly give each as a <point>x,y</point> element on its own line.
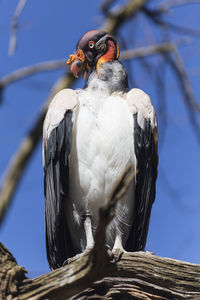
<point>149,253</point>
<point>72,259</point>
<point>118,252</point>
<point>110,254</point>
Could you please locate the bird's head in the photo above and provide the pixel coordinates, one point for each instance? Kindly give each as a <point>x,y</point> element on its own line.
<point>93,49</point>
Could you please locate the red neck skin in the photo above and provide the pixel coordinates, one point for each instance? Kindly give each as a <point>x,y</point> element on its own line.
<point>111,54</point>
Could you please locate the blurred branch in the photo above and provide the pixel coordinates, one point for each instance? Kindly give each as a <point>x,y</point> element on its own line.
<point>19,161</point>
<point>57,64</point>
<point>162,104</point>
<point>184,81</point>
<point>80,273</point>
<point>23,154</point>
<point>165,6</point>
<point>177,65</point>
<point>116,19</point>
<point>146,51</point>
<point>156,16</point>
<point>186,89</point>
<point>106,5</point>
<point>106,212</point>
<point>14,26</point>
<point>31,70</point>
<point>28,71</point>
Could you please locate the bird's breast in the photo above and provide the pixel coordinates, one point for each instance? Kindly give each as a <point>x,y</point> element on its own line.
<point>102,147</point>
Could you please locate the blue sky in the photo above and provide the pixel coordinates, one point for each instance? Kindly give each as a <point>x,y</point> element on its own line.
<point>49,30</point>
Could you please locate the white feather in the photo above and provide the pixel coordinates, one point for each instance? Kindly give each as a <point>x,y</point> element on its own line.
<point>102,147</point>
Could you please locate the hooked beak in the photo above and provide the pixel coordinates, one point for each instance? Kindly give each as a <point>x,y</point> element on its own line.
<point>78,63</point>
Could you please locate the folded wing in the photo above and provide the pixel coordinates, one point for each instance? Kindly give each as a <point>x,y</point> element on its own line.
<point>145,143</point>
<point>57,138</point>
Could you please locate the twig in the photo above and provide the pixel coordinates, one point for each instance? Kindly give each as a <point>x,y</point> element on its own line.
<point>14,26</point>
<point>106,213</point>
<point>162,104</point>
<point>148,50</point>
<point>187,91</point>
<point>165,6</point>
<point>155,15</point>
<point>106,5</point>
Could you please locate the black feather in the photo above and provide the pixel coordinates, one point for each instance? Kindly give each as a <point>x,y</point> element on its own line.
<point>147,162</point>
<point>58,240</point>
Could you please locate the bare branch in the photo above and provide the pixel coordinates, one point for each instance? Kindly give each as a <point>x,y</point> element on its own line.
<point>186,88</point>
<point>90,266</point>
<point>106,5</point>
<point>146,51</point>
<point>57,64</point>
<point>14,26</point>
<point>114,20</point>
<point>18,163</point>
<point>138,275</point>
<point>28,71</point>
<point>106,213</point>
<point>156,16</point>
<point>165,6</point>
<point>31,70</point>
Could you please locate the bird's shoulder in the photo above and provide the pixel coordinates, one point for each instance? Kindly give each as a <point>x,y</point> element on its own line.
<point>65,100</point>
<point>140,103</point>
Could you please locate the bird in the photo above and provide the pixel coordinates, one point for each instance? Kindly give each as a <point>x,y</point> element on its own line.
<point>90,136</point>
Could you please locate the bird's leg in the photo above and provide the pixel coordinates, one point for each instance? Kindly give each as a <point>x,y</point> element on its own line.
<point>88,231</point>
<point>86,219</point>
<point>118,249</point>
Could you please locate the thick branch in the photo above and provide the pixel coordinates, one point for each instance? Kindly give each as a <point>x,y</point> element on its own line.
<point>90,266</point>
<point>138,275</point>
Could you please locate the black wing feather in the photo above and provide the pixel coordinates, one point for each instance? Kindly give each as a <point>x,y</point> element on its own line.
<point>147,162</point>
<point>58,240</point>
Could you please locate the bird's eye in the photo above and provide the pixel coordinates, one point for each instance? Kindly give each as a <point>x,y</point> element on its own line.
<point>91,44</point>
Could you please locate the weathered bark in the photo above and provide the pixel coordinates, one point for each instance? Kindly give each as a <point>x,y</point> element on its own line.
<point>139,275</point>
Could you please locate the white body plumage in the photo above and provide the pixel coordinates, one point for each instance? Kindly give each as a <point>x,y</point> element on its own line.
<point>102,147</point>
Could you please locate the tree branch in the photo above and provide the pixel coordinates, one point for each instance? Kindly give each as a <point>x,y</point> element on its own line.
<point>187,91</point>
<point>147,50</point>
<point>138,275</point>
<point>18,163</point>
<point>115,20</point>
<point>14,26</point>
<point>31,70</point>
<point>89,266</point>
<point>165,6</point>
<point>57,64</point>
<point>28,71</point>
